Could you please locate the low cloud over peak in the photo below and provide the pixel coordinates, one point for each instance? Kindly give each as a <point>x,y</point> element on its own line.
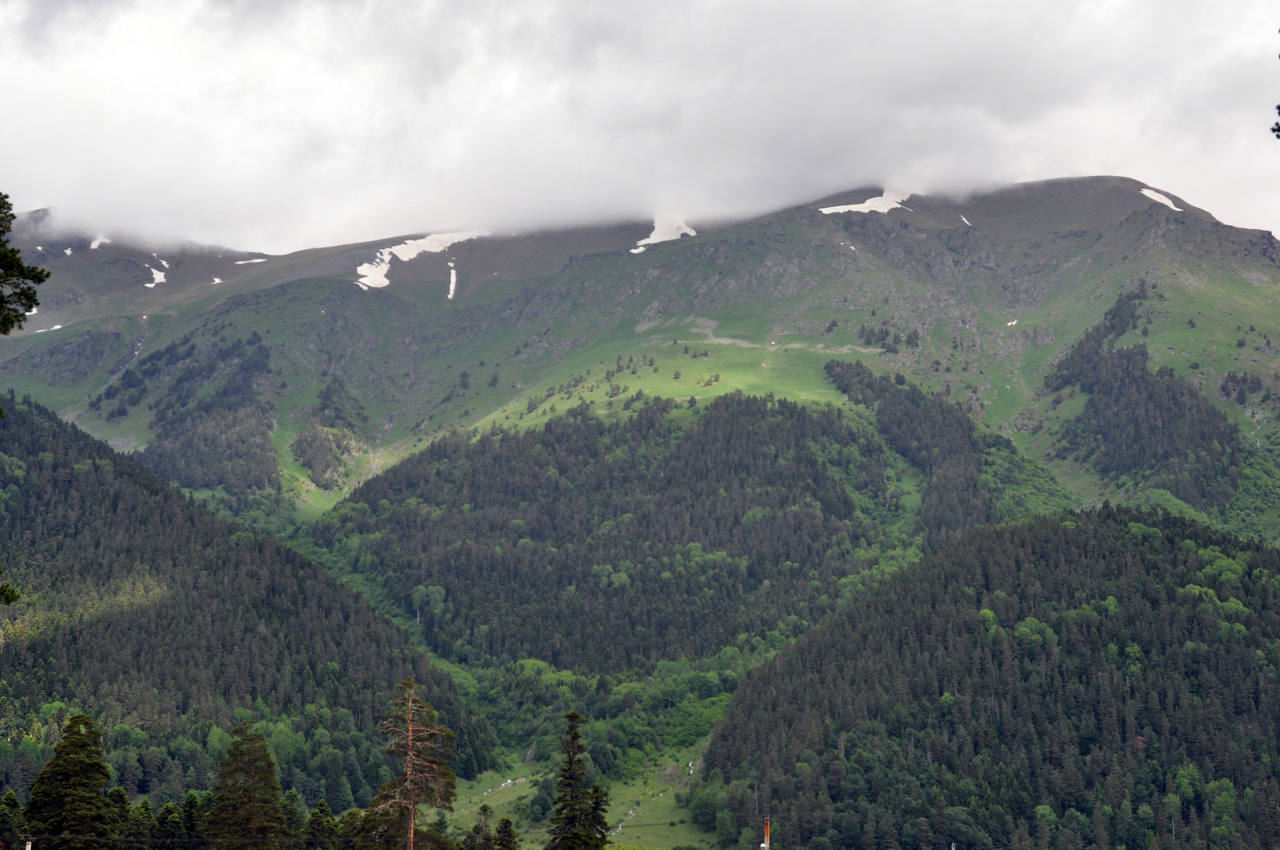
<point>281,125</point>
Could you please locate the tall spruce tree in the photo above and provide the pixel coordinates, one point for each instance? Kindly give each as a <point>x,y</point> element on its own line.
<point>245,803</point>
<point>321,831</point>
<point>12,823</point>
<point>69,809</point>
<point>506,839</point>
<point>424,748</point>
<point>578,819</point>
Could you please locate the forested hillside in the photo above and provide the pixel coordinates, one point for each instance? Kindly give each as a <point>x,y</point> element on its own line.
<point>607,544</point>
<point>172,625</point>
<point>876,413</point>
<point>971,478</point>
<point>1102,679</point>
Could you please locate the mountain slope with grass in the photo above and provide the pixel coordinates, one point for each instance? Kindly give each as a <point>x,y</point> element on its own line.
<point>977,298</point>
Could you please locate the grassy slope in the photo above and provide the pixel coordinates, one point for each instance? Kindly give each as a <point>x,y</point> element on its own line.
<point>768,300</point>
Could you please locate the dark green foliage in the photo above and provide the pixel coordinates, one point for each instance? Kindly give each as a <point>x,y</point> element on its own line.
<point>294,813</point>
<point>213,428</point>
<point>18,280</point>
<point>8,593</point>
<point>936,436</point>
<point>1151,424</point>
<point>245,805</point>
<point>481,836</point>
<point>322,452</point>
<point>322,831</point>
<point>338,408</point>
<point>69,809</point>
<point>179,824</point>
<point>578,820</point>
<point>175,625</point>
<point>607,545</point>
<point>506,838</point>
<point>12,822</point>
<point>1101,678</point>
<point>140,827</point>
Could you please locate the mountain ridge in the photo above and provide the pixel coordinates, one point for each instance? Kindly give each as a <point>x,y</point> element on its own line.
<point>991,303</point>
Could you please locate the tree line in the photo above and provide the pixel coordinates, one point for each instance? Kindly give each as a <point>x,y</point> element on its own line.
<point>72,807</point>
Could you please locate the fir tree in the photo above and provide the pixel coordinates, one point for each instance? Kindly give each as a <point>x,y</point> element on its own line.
<point>68,807</point>
<point>245,803</point>
<point>140,828</point>
<point>11,821</point>
<point>322,832</point>
<point>506,838</point>
<point>578,813</point>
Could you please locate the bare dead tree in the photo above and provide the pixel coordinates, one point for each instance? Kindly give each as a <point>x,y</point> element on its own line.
<point>424,748</point>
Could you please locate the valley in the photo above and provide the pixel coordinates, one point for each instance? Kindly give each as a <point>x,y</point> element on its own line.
<point>902,520</point>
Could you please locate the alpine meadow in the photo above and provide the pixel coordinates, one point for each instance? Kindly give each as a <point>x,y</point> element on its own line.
<point>887,521</point>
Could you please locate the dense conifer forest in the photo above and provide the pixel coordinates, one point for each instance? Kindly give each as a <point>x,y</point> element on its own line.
<point>1101,679</point>
<point>175,625</point>
<point>1152,424</point>
<point>607,545</point>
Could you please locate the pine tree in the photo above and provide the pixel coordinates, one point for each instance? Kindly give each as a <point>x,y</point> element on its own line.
<point>424,749</point>
<point>506,838</point>
<point>245,803</point>
<point>67,802</point>
<point>578,819</point>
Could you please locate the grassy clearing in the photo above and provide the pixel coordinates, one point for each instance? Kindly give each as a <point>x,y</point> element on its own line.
<point>642,811</point>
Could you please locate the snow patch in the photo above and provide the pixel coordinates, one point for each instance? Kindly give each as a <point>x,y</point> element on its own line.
<point>965,220</point>
<point>34,310</point>
<point>216,280</point>
<point>1011,324</point>
<point>157,276</point>
<point>1160,199</point>
<point>39,247</point>
<point>254,260</point>
<point>453,281</point>
<point>54,328</point>
<point>665,229</point>
<point>98,243</point>
<point>67,251</point>
<point>164,263</point>
<point>373,274</point>
<point>888,201</point>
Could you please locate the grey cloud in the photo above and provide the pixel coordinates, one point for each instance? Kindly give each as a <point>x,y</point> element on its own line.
<point>280,125</point>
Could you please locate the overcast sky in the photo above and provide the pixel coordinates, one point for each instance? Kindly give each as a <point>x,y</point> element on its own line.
<point>276,125</point>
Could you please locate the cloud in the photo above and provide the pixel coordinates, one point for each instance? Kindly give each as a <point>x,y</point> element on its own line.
<point>286,124</point>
